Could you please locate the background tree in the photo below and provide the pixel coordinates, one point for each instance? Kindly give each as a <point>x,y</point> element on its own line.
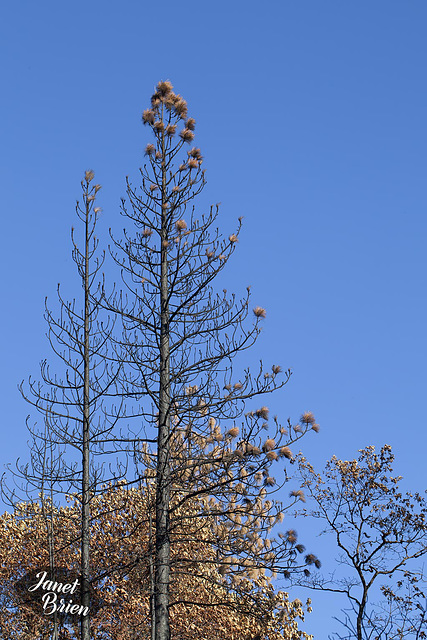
<point>119,560</point>
<point>380,532</point>
<point>179,342</point>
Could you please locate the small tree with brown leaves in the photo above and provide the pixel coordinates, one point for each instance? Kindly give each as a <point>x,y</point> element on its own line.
<point>179,341</point>
<point>120,549</point>
<point>380,532</point>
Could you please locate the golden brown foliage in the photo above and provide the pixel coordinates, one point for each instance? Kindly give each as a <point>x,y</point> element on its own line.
<point>202,605</point>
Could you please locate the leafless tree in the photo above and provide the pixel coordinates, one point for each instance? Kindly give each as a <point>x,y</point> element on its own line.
<point>77,408</point>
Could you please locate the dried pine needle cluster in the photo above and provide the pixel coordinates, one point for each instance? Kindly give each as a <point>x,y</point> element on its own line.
<point>167,111</point>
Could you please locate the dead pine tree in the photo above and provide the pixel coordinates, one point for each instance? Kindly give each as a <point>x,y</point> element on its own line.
<point>76,405</point>
<point>180,339</point>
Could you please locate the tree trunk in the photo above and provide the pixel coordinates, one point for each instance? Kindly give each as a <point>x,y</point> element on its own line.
<point>162,577</point>
<point>360,613</point>
<point>85,566</point>
<point>151,567</point>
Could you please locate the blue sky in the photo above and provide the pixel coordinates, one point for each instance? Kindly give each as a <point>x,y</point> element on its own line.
<point>311,119</point>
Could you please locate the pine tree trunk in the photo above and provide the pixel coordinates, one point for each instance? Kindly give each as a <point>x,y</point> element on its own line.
<point>162,577</point>
<point>151,566</point>
<point>85,595</point>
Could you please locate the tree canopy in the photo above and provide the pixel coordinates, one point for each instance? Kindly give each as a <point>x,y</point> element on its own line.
<point>381,533</point>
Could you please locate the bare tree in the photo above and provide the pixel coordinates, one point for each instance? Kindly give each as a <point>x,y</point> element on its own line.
<point>77,408</point>
<point>381,532</point>
<point>179,341</point>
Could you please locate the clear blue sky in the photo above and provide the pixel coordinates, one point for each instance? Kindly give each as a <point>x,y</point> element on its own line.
<point>312,120</point>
